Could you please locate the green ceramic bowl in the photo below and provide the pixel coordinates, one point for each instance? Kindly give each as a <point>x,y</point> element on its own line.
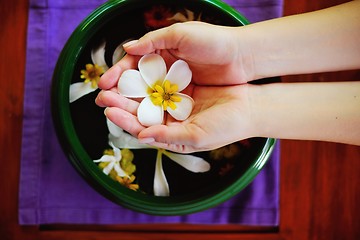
<point>83,133</point>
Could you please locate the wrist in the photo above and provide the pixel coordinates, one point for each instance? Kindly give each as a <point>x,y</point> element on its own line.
<point>256,105</point>
<point>243,54</point>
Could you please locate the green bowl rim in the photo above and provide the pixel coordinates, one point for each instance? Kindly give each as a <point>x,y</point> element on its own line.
<point>88,170</point>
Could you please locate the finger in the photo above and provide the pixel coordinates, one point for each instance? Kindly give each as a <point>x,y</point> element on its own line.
<point>110,78</point>
<point>173,147</point>
<point>124,120</point>
<point>113,99</point>
<point>164,38</point>
<point>175,134</point>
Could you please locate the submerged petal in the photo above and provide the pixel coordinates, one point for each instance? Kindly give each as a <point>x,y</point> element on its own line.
<point>132,85</point>
<point>119,170</point>
<point>152,68</point>
<point>179,74</point>
<point>149,114</point>
<point>79,89</point>
<point>117,152</point>
<point>121,139</point>
<point>104,158</point>
<point>109,167</point>
<point>127,141</point>
<point>119,52</point>
<point>98,56</point>
<point>114,129</point>
<point>161,186</point>
<point>190,162</point>
<point>183,108</point>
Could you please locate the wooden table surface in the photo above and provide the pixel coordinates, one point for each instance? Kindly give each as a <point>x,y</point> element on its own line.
<point>319,185</point>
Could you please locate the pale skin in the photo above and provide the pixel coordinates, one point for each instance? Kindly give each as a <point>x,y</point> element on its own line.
<point>225,59</point>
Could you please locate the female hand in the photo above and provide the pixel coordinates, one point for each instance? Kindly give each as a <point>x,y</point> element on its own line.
<point>214,59</point>
<point>221,115</point>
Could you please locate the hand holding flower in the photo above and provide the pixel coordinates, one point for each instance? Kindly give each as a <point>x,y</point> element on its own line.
<point>161,90</point>
<point>214,59</point>
<point>221,115</point>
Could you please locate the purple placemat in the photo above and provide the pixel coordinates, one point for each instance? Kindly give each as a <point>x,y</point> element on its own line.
<point>51,191</point>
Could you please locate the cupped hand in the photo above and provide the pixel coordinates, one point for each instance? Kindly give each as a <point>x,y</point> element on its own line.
<point>221,115</point>
<point>214,59</point>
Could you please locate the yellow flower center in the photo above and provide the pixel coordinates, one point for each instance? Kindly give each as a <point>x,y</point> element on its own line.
<point>92,74</point>
<point>165,95</point>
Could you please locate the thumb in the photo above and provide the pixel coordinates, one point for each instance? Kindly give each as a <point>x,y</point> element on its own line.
<point>164,38</point>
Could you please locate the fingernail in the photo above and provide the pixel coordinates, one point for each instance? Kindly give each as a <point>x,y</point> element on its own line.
<point>128,44</point>
<point>105,111</point>
<point>146,140</point>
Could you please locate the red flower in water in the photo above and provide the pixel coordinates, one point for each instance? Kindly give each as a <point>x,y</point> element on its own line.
<point>158,17</point>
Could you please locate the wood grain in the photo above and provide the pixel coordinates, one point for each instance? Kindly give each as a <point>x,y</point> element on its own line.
<point>319,183</point>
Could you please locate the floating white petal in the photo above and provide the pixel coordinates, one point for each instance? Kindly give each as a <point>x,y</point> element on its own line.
<point>98,56</point>
<point>114,129</point>
<point>109,167</point>
<point>117,151</point>
<point>113,162</point>
<point>104,158</point>
<point>119,170</point>
<point>119,52</point>
<point>121,139</point>
<point>190,162</point>
<point>127,141</point>
<point>161,186</point>
<point>79,89</point>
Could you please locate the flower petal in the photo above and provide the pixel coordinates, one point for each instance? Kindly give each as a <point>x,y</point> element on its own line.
<point>128,141</point>
<point>161,186</point>
<point>104,158</point>
<point>152,68</point>
<point>98,55</point>
<point>179,74</point>
<point>149,114</point>
<point>132,85</point>
<point>117,151</point>
<point>79,89</point>
<point>119,170</point>
<point>121,139</point>
<point>183,108</point>
<point>108,167</point>
<point>190,162</point>
<point>114,129</point>
<point>119,52</point>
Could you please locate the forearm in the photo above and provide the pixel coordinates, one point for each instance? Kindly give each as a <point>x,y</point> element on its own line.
<point>326,40</point>
<point>307,111</point>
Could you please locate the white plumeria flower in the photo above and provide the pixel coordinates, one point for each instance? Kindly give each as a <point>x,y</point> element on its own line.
<point>80,89</point>
<point>192,163</point>
<point>159,88</point>
<point>94,71</point>
<point>113,162</point>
